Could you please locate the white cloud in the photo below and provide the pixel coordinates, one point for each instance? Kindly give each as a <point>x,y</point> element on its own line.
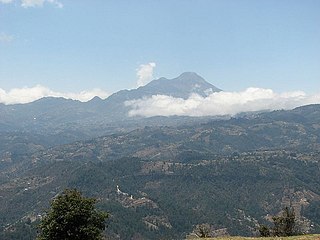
<point>219,103</point>
<point>6,1</point>
<point>85,96</point>
<point>145,73</point>
<point>26,94</point>
<point>5,38</point>
<point>32,3</point>
<point>35,3</point>
<point>39,3</point>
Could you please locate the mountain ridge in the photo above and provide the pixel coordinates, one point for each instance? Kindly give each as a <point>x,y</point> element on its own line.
<point>184,78</point>
<point>52,112</point>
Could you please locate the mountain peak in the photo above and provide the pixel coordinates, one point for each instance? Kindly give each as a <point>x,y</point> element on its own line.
<point>182,86</point>
<point>194,78</point>
<point>189,75</point>
<point>96,99</point>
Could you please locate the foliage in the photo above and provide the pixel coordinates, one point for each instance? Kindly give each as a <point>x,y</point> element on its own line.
<point>284,225</point>
<point>203,230</point>
<point>72,217</point>
<point>264,231</point>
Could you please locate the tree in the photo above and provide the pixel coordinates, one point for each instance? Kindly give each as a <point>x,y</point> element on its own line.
<point>72,217</point>
<point>203,230</point>
<point>284,225</point>
<point>264,231</point>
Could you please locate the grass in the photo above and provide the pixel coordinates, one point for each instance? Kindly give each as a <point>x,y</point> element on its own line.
<point>300,237</point>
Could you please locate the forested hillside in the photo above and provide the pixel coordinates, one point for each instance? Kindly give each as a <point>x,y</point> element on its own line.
<point>231,174</point>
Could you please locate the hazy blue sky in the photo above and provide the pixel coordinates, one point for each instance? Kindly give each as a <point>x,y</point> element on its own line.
<point>71,46</point>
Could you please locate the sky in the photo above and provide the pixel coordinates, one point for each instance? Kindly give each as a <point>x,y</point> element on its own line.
<point>79,49</point>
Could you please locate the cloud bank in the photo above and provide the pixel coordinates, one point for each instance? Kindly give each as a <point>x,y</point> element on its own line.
<point>145,73</point>
<point>26,95</point>
<point>219,103</point>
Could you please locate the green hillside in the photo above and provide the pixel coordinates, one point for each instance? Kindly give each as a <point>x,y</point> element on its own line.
<point>232,174</point>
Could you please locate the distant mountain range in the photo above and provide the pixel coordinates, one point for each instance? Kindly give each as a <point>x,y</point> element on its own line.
<point>53,112</point>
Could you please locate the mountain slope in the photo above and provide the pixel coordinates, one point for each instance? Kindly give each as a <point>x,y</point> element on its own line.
<point>229,173</point>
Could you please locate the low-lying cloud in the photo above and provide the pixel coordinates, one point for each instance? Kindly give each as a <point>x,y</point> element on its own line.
<point>30,94</point>
<point>145,73</point>
<point>219,103</point>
